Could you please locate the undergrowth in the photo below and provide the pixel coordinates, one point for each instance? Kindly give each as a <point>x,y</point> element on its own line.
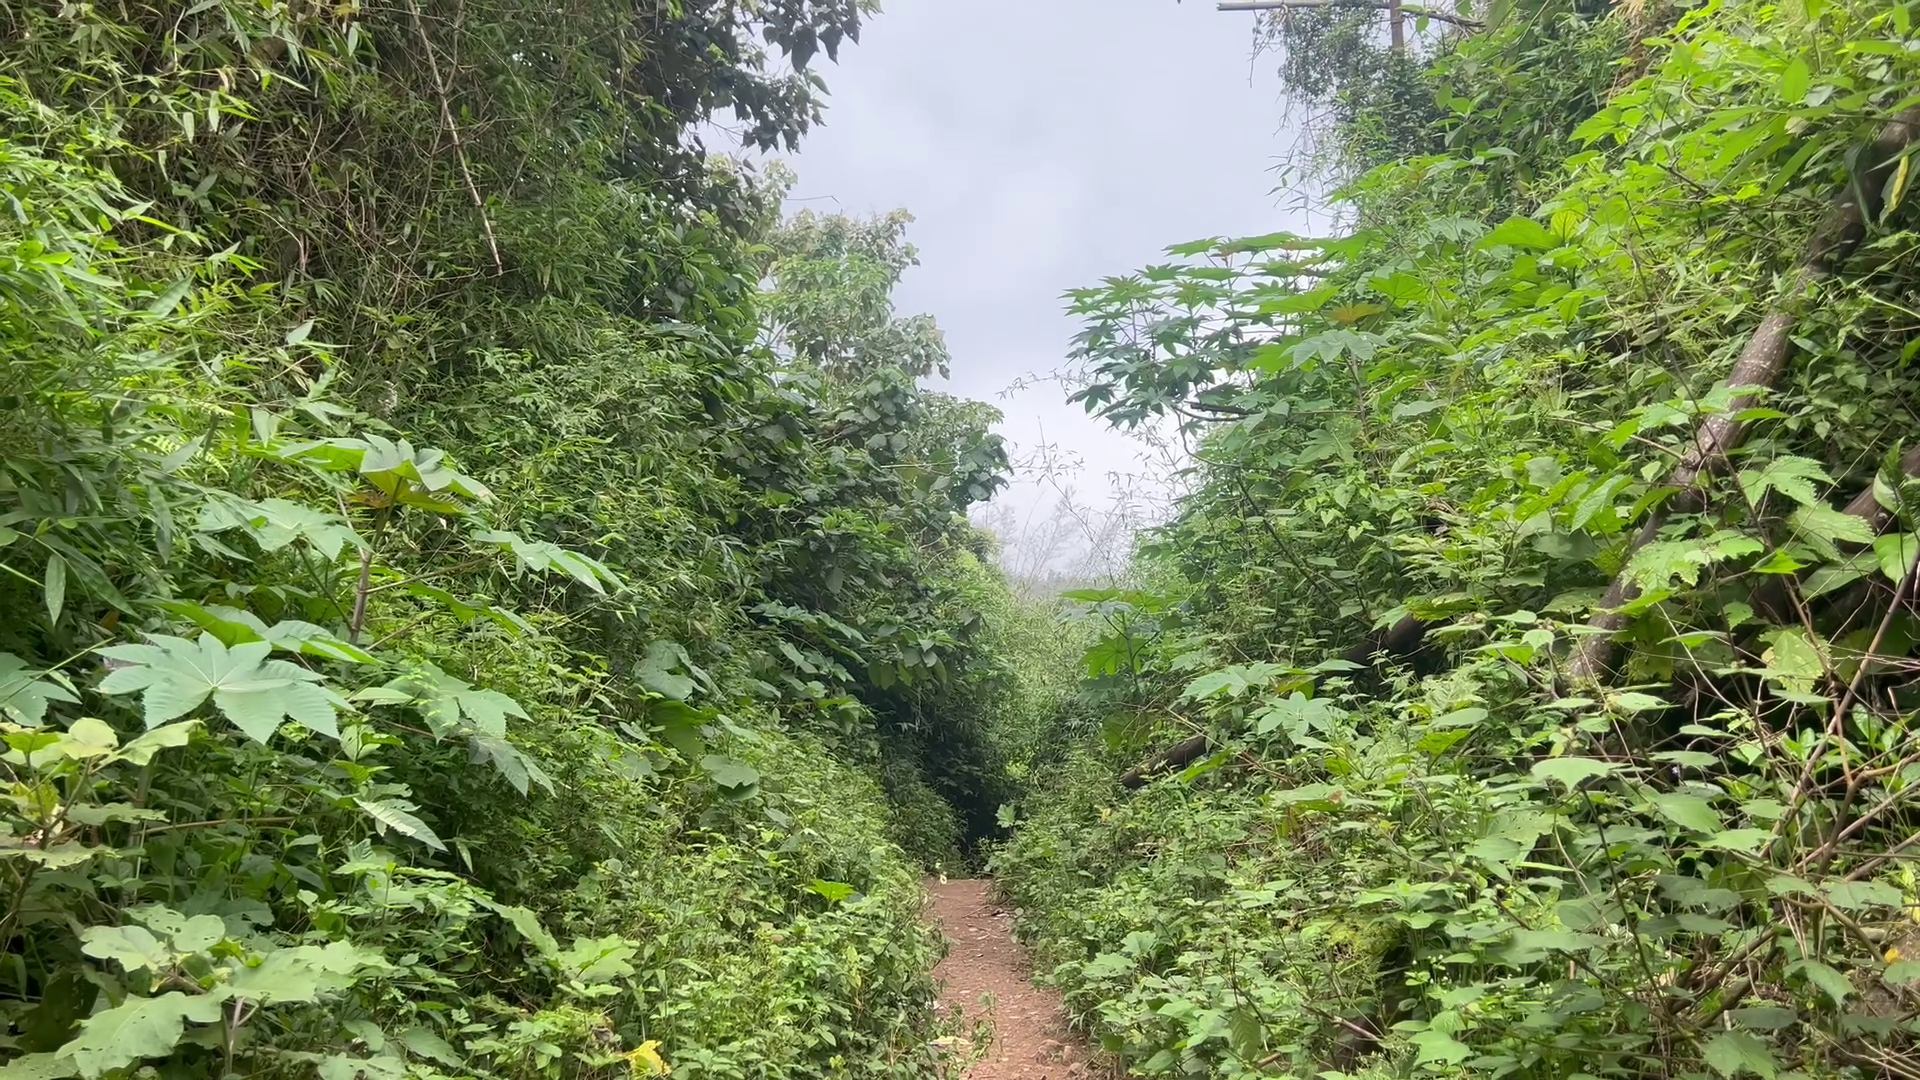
<point>1525,687</point>
<point>485,596</point>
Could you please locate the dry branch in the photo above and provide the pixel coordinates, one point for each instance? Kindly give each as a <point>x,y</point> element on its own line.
<point>1759,366</point>
<point>453,132</point>
<point>1367,5</point>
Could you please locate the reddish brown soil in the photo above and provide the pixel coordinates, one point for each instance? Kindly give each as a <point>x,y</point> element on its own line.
<point>987,975</point>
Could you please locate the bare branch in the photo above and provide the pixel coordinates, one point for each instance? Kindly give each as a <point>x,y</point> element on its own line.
<point>459,147</point>
<point>1375,5</point>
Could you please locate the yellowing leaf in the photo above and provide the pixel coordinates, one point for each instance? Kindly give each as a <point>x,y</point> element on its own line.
<point>645,1059</point>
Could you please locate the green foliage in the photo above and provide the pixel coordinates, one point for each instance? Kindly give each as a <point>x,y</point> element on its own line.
<point>448,639</point>
<point>1472,408</point>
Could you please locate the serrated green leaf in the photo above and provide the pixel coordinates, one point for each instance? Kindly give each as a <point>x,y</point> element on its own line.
<point>1570,772</point>
<point>1733,1053</point>
<point>136,1029</point>
<point>1822,522</point>
<point>1689,812</point>
<point>1791,476</point>
<point>397,814</point>
<point>175,676</point>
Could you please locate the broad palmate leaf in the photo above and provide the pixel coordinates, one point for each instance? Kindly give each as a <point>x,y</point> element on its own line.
<point>175,676</point>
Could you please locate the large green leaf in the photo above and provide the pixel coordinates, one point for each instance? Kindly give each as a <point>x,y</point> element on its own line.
<point>729,773</point>
<point>275,523</point>
<point>422,478</point>
<point>25,692</point>
<point>1520,232</point>
<point>1689,812</point>
<point>1895,553</point>
<point>136,1029</point>
<point>398,815</point>
<point>450,705</point>
<point>234,626</point>
<point>175,676</point>
<point>539,555</point>
<point>132,947</point>
<point>1792,476</point>
<point>1569,772</point>
<point>1736,1053</point>
<point>302,973</point>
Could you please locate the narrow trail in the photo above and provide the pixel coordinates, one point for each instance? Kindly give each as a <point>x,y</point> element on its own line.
<point>987,975</point>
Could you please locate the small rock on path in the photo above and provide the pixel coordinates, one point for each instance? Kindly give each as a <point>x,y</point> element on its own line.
<point>986,974</point>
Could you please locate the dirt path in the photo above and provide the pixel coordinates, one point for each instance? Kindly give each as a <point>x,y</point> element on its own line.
<point>986,975</point>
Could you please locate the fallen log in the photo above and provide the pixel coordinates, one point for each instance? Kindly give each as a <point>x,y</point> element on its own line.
<point>1182,753</point>
<point>1400,640</point>
<point>1868,509</point>
<point>1758,367</point>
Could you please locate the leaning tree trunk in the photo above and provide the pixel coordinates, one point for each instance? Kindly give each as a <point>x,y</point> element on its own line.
<point>1760,366</point>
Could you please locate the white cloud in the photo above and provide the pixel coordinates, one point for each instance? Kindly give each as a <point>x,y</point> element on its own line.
<point>1043,145</point>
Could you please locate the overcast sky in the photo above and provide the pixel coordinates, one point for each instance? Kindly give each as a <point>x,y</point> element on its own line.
<point>1042,145</point>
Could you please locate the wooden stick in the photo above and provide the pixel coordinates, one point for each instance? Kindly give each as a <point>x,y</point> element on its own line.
<point>453,130</point>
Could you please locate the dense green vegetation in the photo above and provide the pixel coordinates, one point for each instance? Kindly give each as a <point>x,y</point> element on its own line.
<point>1526,686</point>
<point>489,595</point>
<point>484,596</point>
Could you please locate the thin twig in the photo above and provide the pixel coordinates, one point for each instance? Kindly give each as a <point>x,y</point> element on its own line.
<point>1373,5</point>
<point>453,131</point>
